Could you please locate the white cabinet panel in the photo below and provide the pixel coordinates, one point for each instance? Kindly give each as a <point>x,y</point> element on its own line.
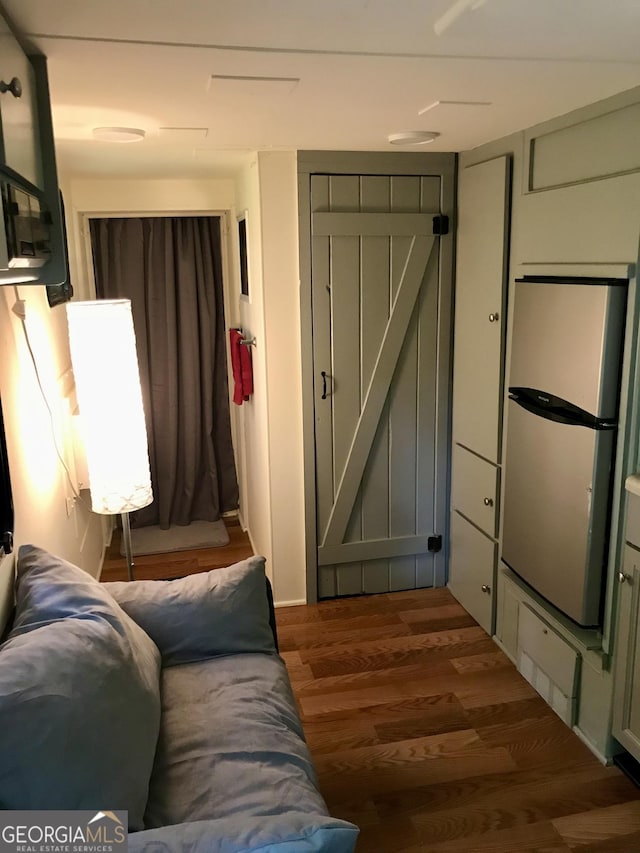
<point>483,192</point>
<point>471,570</point>
<point>555,657</point>
<point>548,663</point>
<point>474,489</point>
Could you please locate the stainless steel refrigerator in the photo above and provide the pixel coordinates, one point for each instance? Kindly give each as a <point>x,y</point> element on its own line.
<point>564,383</point>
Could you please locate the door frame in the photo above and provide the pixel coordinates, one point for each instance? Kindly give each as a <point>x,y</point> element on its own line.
<point>444,166</point>
<point>230,296</point>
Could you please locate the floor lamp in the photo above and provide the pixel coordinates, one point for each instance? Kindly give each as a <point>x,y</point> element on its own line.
<point>105,366</point>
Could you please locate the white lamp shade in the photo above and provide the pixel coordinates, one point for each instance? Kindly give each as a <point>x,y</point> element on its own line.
<point>105,367</point>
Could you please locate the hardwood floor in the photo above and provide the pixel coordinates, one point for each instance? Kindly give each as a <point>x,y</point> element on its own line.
<point>422,731</point>
<point>425,735</point>
<point>178,563</point>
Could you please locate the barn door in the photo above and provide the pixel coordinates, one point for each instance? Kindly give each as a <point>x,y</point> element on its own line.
<point>374,289</point>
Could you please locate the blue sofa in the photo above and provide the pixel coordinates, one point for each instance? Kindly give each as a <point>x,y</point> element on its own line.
<point>174,690</point>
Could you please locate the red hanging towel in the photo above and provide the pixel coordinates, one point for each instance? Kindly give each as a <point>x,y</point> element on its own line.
<point>236,347</point>
<point>241,367</point>
<point>246,369</point>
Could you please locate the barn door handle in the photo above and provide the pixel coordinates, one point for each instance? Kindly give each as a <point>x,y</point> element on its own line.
<point>324,384</point>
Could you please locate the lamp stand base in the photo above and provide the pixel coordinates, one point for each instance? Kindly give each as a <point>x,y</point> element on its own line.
<point>126,537</point>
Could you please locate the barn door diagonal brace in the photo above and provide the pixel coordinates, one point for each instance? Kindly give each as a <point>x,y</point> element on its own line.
<point>420,253</point>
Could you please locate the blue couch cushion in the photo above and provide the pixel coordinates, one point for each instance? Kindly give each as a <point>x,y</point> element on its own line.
<point>224,611</point>
<point>79,695</point>
<point>292,833</point>
<point>231,744</point>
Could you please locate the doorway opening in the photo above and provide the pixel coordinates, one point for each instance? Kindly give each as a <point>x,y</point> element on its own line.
<point>171,269</point>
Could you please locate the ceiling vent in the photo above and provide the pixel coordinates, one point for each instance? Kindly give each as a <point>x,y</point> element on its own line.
<point>252,85</point>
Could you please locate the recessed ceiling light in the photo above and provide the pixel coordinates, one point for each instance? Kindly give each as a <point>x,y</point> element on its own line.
<point>118,134</point>
<point>413,137</point>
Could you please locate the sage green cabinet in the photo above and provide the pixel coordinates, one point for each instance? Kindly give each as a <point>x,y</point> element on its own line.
<point>478,375</point>
<point>479,331</point>
<point>626,697</point>
<point>471,570</point>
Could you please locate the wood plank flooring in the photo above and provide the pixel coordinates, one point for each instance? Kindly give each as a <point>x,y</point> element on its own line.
<point>425,735</point>
<point>177,564</point>
<point>422,731</point>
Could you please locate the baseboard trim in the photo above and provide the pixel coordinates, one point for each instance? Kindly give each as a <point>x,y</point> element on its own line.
<point>296,603</point>
<point>602,758</point>
<point>504,649</point>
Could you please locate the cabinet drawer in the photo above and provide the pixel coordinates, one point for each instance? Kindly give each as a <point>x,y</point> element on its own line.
<point>474,489</point>
<point>472,559</point>
<point>548,650</point>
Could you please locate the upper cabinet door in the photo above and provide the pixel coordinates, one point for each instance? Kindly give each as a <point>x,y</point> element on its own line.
<point>18,115</point>
<point>481,279</point>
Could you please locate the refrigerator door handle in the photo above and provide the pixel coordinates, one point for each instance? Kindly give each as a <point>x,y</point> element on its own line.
<point>546,405</point>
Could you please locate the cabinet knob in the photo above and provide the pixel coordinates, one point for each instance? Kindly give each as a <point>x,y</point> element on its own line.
<point>622,577</point>
<point>486,588</point>
<point>15,87</point>
<point>488,501</point>
<point>493,318</point>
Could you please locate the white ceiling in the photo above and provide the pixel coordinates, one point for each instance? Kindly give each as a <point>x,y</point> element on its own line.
<point>354,71</point>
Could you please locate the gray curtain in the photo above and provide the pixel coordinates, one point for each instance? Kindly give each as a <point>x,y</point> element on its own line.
<point>171,270</point>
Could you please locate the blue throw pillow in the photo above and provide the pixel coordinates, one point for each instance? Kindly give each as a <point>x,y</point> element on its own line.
<point>221,612</point>
<point>79,695</point>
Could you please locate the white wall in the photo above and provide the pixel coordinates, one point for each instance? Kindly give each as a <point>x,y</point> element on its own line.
<point>110,197</point>
<point>267,428</point>
<point>40,486</point>
<point>281,285</point>
<point>253,414</point>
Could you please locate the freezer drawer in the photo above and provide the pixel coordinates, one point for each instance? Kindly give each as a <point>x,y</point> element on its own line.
<point>548,663</point>
<point>474,489</point>
<point>556,506</point>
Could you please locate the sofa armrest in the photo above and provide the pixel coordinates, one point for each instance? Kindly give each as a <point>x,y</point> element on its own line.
<point>224,611</point>
<point>285,833</point>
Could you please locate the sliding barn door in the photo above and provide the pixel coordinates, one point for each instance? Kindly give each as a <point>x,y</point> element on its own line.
<point>374,289</point>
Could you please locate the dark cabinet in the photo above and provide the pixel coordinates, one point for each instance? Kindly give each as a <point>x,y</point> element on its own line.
<point>20,151</point>
<point>27,155</point>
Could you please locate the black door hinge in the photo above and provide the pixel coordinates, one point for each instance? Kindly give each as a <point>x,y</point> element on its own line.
<point>434,544</point>
<point>441,224</point>
<point>6,542</point>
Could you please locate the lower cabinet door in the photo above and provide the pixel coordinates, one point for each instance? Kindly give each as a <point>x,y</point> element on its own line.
<point>475,489</point>
<point>472,561</point>
<point>626,697</point>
